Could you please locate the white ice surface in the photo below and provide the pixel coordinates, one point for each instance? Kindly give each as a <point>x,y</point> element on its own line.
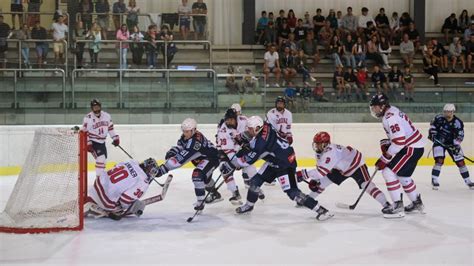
<point>275,232</point>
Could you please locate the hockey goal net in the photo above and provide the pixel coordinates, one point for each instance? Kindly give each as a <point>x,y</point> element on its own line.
<point>49,192</point>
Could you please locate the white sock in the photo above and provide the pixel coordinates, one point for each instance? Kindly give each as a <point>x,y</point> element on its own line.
<point>375,192</point>
<point>393,185</point>
<point>230,183</point>
<point>409,187</point>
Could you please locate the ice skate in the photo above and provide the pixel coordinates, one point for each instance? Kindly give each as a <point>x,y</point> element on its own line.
<point>236,199</point>
<point>415,205</point>
<point>199,205</point>
<point>323,214</point>
<point>244,209</point>
<point>386,207</point>
<point>434,184</point>
<point>397,210</point>
<point>214,197</point>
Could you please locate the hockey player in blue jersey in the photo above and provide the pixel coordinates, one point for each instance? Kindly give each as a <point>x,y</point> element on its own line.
<point>280,162</point>
<point>447,133</point>
<point>194,147</point>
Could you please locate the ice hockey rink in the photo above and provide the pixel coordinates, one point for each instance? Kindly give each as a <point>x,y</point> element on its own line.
<point>275,232</point>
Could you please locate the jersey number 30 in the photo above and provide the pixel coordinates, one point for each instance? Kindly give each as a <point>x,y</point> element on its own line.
<point>117,174</point>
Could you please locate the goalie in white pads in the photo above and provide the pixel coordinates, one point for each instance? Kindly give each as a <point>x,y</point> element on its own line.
<point>118,191</point>
<point>400,155</point>
<point>336,163</point>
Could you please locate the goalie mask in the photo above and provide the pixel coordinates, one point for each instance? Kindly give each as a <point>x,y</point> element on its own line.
<point>320,141</point>
<point>378,105</point>
<point>150,167</point>
<point>96,107</point>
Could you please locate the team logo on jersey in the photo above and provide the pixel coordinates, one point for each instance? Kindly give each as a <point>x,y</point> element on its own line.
<point>197,146</point>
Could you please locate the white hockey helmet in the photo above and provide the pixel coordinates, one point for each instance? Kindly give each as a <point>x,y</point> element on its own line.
<point>449,107</point>
<point>236,107</point>
<point>254,122</point>
<point>188,124</point>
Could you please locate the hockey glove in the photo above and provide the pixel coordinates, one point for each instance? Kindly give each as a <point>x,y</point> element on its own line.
<point>314,185</point>
<point>382,162</point>
<point>116,141</point>
<point>301,175</point>
<point>158,171</point>
<point>289,138</point>
<point>90,148</point>
<point>227,168</point>
<point>172,152</point>
<point>384,145</point>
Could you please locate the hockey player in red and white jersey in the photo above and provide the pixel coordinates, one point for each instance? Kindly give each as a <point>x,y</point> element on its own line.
<point>336,163</point>
<point>400,155</point>
<point>119,190</point>
<point>281,119</point>
<point>230,139</point>
<point>98,124</point>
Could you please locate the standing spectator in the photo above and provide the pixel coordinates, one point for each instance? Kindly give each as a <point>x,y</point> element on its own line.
<point>469,31</point>
<point>283,33</point>
<point>34,6</point>
<point>338,82</point>
<point>464,21</point>
<point>132,14</point>
<point>379,81</point>
<point>407,50</point>
<point>272,65</point>
<point>123,35</point>
<point>40,33</point>
<point>302,67</point>
<point>373,53</point>
<point>442,54</point>
<point>470,53</point>
<point>16,8</point>
<point>280,18</point>
<point>450,25</point>
<point>300,31</point>
<point>22,35</point>
<point>318,22</point>
<point>456,54</point>
<point>95,35</point>
<point>151,47</point>
<point>59,30</point>
<point>394,28</point>
<point>348,55</point>
<point>199,19</point>
<point>171,49</point>
<point>290,96</point>
<point>363,19</point>
<point>413,35</point>
<point>408,84</point>
<point>362,77</point>
<point>359,51</point>
<point>394,80</point>
<point>350,84</point>
<point>382,23</point>
<point>136,46</point>
<point>85,9</point>
<point>5,32</point>
<point>261,26</point>
<point>385,50</point>
<point>270,34</point>
<point>336,51</point>
<point>405,21</point>
<point>349,22</point>
<point>430,65</point>
<point>332,20</point>
<point>119,8</point>
<point>318,93</point>
<point>287,64</point>
<point>310,48</point>
<point>79,36</point>
<point>307,22</point>
<point>249,82</point>
<point>292,19</point>
<point>102,7</point>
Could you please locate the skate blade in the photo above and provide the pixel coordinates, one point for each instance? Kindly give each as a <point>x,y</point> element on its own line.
<point>236,202</point>
<point>325,218</point>
<point>394,216</point>
<point>215,201</point>
<point>435,188</point>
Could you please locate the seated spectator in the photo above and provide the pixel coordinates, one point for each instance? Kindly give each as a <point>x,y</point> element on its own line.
<point>464,21</point>
<point>413,35</point>
<point>338,82</point>
<point>385,50</point>
<point>350,84</point>
<point>271,17</point>
<point>102,7</point>
<point>118,8</point>
<point>249,82</point>
<point>336,51</point>
<point>456,54</point>
<point>280,18</point>
<point>40,33</point>
<point>123,35</point>
<point>405,21</point>
<point>339,21</point>
<point>379,81</point>
<point>304,96</point>
<point>171,49</point>
<point>95,36</point>
<point>132,14</point>
<point>407,50</point>
<point>332,19</point>
<point>199,19</point>
<point>362,77</point>
<point>470,53</point>
<point>349,22</point>
<point>359,50</point>
<point>310,48</point>
<point>230,82</point>
<point>307,22</point>
<point>270,34</point>
<point>59,30</point>
<point>370,31</point>
<point>348,52</point>
<point>272,65</point>
<point>373,52</point>
<point>394,80</point>
<point>441,53</point>
<point>136,46</point>
<point>261,26</point>
<point>287,64</point>
<point>325,35</point>
<point>318,93</point>
<point>468,32</point>
<point>302,67</point>
<point>292,19</point>
<point>290,43</point>
<point>318,22</point>
<point>364,18</point>
<point>430,65</point>
<point>151,47</point>
<point>382,23</point>
<point>290,96</point>
<point>394,28</point>
<point>450,26</point>
<point>184,10</point>
<point>300,31</point>
<point>283,33</point>
<point>408,82</point>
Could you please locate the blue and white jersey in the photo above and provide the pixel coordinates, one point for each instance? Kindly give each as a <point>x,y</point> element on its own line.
<point>447,132</point>
<point>195,149</point>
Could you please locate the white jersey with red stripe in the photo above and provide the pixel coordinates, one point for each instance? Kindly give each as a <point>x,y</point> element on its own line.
<point>97,128</point>
<point>401,131</point>
<point>226,136</point>
<point>120,186</point>
<point>281,121</point>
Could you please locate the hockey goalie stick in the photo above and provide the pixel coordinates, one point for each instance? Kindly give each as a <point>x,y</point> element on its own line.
<point>147,201</point>
<point>353,206</point>
<point>190,219</point>
<point>446,147</point>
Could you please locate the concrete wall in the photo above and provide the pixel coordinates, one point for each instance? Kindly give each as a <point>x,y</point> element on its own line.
<point>143,141</point>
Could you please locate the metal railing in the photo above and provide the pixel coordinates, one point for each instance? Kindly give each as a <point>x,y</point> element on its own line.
<point>15,81</point>
<point>259,80</point>
<point>111,14</point>
<point>25,17</point>
<point>121,77</point>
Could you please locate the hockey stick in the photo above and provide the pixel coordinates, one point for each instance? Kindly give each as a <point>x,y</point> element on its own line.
<point>351,207</point>
<point>447,148</point>
<point>428,156</point>
<point>190,219</point>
